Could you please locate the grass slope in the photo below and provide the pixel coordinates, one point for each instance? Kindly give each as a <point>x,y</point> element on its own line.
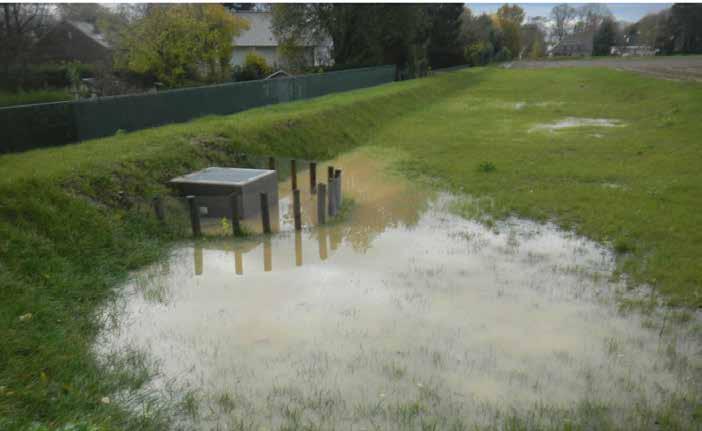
<point>75,219</point>
<point>637,186</point>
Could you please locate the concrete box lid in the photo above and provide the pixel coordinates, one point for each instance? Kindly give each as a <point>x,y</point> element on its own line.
<point>236,177</point>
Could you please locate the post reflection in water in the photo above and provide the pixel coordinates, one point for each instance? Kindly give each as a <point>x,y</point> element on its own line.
<point>267,255</point>
<point>238,263</point>
<point>378,205</point>
<point>298,248</point>
<point>335,237</point>
<point>197,257</point>
<point>322,238</point>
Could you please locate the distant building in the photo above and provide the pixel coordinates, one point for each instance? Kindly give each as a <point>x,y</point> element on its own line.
<point>633,51</point>
<point>72,41</point>
<point>577,44</point>
<point>634,46</point>
<point>259,38</point>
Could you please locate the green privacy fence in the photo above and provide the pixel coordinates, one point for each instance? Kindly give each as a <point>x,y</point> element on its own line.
<point>52,124</point>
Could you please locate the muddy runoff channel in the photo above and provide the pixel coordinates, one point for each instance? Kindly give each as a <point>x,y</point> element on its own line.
<point>401,316</point>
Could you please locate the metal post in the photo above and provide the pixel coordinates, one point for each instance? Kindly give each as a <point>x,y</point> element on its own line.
<point>293,173</point>
<point>337,192</point>
<point>313,177</point>
<point>331,200</point>
<point>234,201</point>
<point>330,172</point>
<point>265,215</point>
<point>297,215</point>
<point>158,208</point>
<point>321,204</point>
<point>194,215</point>
<point>271,163</point>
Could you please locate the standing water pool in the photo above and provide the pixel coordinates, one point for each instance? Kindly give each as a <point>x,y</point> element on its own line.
<point>402,316</point>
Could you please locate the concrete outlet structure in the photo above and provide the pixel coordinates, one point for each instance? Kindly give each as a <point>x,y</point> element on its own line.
<point>213,186</point>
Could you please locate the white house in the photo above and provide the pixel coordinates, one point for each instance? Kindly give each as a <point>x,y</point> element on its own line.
<point>259,38</point>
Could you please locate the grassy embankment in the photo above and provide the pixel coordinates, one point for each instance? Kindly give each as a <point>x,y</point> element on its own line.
<point>636,186</point>
<point>74,220</point>
<point>28,97</point>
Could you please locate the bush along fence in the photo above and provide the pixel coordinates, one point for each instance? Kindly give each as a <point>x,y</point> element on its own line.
<point>52,124</point>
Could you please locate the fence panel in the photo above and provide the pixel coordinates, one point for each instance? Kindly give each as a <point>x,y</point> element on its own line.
<point>51,124</point>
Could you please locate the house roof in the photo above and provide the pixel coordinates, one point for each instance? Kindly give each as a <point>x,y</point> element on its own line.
<point>90,31</point>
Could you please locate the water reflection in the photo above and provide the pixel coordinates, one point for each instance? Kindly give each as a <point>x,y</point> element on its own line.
<point>404,308</point>
<point>267,255</point>
<point>298,248</point>
<point>258,252</point>
<point>382,202</point>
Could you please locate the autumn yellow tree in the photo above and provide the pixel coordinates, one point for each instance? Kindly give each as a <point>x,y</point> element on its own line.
<point>181,43</point>
<point>509,20</point>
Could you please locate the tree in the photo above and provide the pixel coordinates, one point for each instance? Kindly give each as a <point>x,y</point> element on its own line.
<point>605,37</point>
<point>255,67</point>
<point>479,53</point>
<point>21,25</point>
<point>87,12</point>
<point>533,41</point>
<point>509,19</point>
<point>686,22</point>
<point>591,16</point>
<point>176,43</point>
<point>444,47</point>
<point>674,30</point>
<point>362,34</point>
<point>562,15</point>
<point>481,37</point>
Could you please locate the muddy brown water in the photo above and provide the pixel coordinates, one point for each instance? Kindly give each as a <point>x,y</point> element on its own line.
<point>402,315</point>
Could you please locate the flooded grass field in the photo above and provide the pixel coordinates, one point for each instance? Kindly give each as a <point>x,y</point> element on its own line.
<point>403,316</point>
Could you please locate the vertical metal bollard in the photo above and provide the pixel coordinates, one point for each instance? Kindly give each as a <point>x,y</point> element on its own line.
<point>265,215</point>
<point>234,200</point>
<point>331,199</point>
<point>313,177</point>
<point>271,163</point>
<point>337,192</point>
<point>293,173</point>
<point>158,208</point>
<point>321,204</point>
<point>297,215</point>
<point>194,215</point>
<point>330,172</point>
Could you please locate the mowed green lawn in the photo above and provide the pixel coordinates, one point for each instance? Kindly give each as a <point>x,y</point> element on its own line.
<point>74,220</point>
<point>636,186</point>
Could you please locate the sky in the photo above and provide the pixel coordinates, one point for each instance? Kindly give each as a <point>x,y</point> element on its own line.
<point>630,12</point>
